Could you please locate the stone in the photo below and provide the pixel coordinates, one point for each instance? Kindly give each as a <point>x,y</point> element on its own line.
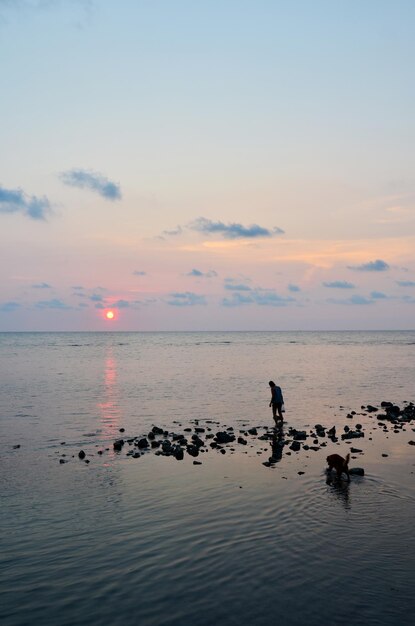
<point>62,461</point>
<point>151,435</point>
<point>136,455</point>
<point>253,431</point>
<point>155,444</point>
<point>223,451</point>
<point>358,426</point>
<point>199,429</point>
<point>179,454</point>
<point>357,471</point>
<point>16,447</point>
<point>122,430</point>
<point>224,437</point>
<point>384,454</point>
<point>197,462</point>
<point>192,450</point>
<point>242,441</point>
<point>370,408</point>
<point>81,454</point>
<point>355,450</point>
<point>300,473</point>
<point>87,461</point>
<point>295,446</point>
<point>142,443</point>
<point>411,443</point>
<point>157,431</point>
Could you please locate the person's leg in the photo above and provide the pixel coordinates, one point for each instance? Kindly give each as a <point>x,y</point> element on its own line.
<point>274,412</point>
<point>279,406</point>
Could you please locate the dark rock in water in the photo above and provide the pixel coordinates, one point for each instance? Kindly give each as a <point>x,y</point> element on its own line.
<point>242,441</point>
<point>267,464</point>
<point>100,452</point>
<point>166,446</point>
<point>370,408</point>
<point>87,461</point>
<point>306,447</point>
<point>384,454</point>
<point>332,432</point>
<point>300,473</point>
<point>315,448</point>
<point>122,430</point>
<point>179,454</point>
<point>295,446</point>
<point>136,455</point>
<point>151,435</point>
<point>192,450</point>
<point>223,451</point>
<point>62,461</point>
<point>385,404</point>
<point>411,443</point>
<point>155,444</point>
<point>346,429</point>
<point>358,426</point>
<point>197,462</point>
<point>357,471</point>
<point>63,443</point>
<point>253,431</point>
<point>198,441</point>
<point>81,454</point>
<point>224,437</point>
<point>298,435</point>
<point>315,441</point>
<point>353,434</point>
<point>142,443</point>
<point>355,450</point>
<point>157,431</point>
<point>187,430</point>
<point>16,447</point>
<point>199,429</point>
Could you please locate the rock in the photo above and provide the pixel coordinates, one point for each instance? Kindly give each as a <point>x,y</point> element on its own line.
<point>353,434</point>
<point>157,431</point>
<point>192,450</point>
<point>332,432</point>
<point>179,454</point>
<point>118,444</point>
<point>267,464</point>
<point>370,408</point>
<point>295,446</point>
<point>136,455</point>
<point>155,444</point>
<point>298,435</point>
<point>242,441</point>
<point>87,461</point>
<point>142,443</point>
<point>346,429</point>
<point>197,462</point>
<point>63,443</point>
<point>151,435</point>
<point>81,454</point>
<point>122,430</point>
<point>357,471</point>
<point>384,454</point>
<point>355,450</point>
<point>358,426</point>
<point>411,443</point>
<point>62,461</point>
<point>199,429</point>
<point>253,431</point>
<point>224,437</point>
<point>300,473</point>
<point>197,441</point>
<point>16,447</point>
<point>223,451</point>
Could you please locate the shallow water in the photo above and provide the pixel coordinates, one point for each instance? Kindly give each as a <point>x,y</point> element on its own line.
<point>158,541</point>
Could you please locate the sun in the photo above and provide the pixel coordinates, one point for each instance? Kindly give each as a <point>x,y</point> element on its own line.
<point>109,315</point>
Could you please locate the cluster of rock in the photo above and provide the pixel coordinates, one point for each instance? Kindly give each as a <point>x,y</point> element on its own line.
<point>197,440</point>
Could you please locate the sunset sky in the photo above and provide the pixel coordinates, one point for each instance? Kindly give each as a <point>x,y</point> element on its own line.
<point>217,165</point>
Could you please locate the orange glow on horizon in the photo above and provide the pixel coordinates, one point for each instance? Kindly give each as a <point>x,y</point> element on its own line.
<point>110,315</point>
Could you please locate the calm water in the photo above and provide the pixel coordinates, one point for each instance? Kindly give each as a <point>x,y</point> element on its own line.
<point>157,541</point>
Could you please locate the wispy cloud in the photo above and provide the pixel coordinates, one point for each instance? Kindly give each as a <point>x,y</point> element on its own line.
<point>379,295</point>
<point>121,304</point>
<point>173,232</point>
<point>293,288</point>
<point>354,300</point>
<point>199,274</point>
<point>96,297</point>
<point>54,303</point>
<point>9,307</point>
<point>16,201</point>
<point>139,273</point>
<point>339,284</point>
<point>261,297</point>
<point>233,285</point>
<point>232,230</point>
<point>94,181</point>
<point>42,286</point>
<point>372,266</point>
<point>186,298</point>
<point>405,283</point>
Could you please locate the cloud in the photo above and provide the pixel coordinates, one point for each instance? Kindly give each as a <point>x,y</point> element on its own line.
<point>232,230</point>
<point>94,181</point>
<point>54,303</point>
<point>293,288</point>
<point>186,299</point>
<point>199,274</point>
<point>9,307</point>
<point>232,285</point>
<point>405,283</point>
<point>42,286</point>
<point>378,295</point>
<point>372,266</point>
<point>16,201</point>
<point>139,273</point>
<point>174,232</point>
<point>339,284</point>
<point>261,297</point>
<point>354,300</point>
<point>121,304</point>
<point>96,297</point>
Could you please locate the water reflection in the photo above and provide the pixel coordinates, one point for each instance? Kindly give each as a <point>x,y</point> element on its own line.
<point>109,408</point>
<point>339,489</point>
<point>277,443</point>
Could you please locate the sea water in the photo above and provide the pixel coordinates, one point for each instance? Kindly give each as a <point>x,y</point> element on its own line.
<point>159,541</point>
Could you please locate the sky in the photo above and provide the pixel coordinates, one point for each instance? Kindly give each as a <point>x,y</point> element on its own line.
<point>221,165</point>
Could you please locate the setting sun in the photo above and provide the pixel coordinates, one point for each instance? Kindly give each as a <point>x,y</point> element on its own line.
<point>109,315</point>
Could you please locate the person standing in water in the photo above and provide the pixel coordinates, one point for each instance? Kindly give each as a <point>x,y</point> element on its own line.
<point>277,401</point>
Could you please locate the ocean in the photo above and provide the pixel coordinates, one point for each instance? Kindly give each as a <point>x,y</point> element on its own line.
<point>160,541</point>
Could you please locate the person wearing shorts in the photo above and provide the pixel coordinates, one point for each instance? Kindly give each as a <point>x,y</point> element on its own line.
<point>277,401</point>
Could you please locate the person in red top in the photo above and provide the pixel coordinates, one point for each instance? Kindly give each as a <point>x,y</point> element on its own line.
<point>277,401</point>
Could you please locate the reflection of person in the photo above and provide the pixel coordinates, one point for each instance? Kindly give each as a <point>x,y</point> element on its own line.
<point>276,401</point>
